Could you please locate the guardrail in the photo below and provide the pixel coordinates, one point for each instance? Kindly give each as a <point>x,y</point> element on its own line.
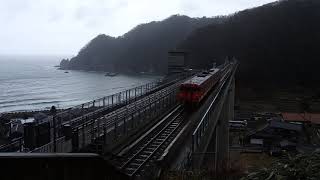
<point>123,121</point>
<point>87,132</point>
<point>204,123</point>
<point>108,101</point>
<point>115,100</point>
<point>86,129</point>
<point>15,145</point>
<point>207,119</point>
<point>61,146</point>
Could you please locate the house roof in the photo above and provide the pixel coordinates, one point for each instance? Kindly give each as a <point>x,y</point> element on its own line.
<point>275,125</point>
<point>285,125</point>
<point>301,117</point>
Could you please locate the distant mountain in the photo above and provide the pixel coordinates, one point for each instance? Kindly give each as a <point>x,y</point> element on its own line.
<point>276,44</point>
<point>144,48</point>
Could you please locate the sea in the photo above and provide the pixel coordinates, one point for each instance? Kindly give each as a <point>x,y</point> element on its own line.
<point>34,83</point>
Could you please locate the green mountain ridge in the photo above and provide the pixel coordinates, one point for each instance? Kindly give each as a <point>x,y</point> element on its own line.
<point>276,44</point>
<point>144,48</point>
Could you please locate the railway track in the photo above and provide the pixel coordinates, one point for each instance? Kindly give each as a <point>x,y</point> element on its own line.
<point>151,146</point>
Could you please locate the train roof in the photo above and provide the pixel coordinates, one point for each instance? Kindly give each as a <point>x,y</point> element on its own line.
<point>201,77</point>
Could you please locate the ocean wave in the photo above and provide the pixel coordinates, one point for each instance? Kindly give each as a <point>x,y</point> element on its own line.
<point>45,102</point>
<point>33,104</point>
<point>45,93</point>
<point>21,100</point>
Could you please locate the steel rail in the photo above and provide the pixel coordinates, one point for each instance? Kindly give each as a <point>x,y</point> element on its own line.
<point>156,140</point>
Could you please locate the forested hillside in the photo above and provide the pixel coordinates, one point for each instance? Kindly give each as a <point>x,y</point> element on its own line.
<point>144,48</point>
<point>277,43</point>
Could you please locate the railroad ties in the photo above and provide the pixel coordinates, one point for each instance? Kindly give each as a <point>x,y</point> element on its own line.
<point>146,150</point>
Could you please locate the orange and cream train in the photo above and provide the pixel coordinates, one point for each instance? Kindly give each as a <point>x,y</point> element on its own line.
<point>193,90</point>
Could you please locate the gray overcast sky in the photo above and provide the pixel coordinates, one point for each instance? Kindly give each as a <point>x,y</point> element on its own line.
<point>64,26</point>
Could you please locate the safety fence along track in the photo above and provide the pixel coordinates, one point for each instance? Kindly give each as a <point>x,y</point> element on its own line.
<point>124,120</point>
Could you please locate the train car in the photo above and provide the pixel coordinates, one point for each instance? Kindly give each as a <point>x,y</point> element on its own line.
<point>192,91</point>
<point>195,89</point>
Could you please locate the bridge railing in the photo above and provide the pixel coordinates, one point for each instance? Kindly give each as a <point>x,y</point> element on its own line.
<point>208,119</point>
<point>61,146</point>
<point>15,145</point>
<point>125,120</point>
<point>109,102</point>
<point>205,122</point>
<point>119,122</point>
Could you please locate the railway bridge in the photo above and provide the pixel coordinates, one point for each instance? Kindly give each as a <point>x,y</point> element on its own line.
<point>142,131</point>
